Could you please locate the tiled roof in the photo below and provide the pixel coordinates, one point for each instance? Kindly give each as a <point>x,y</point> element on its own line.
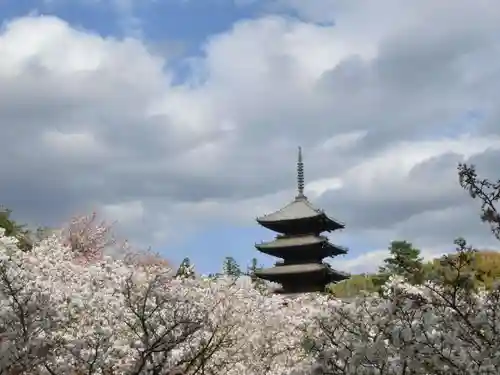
<point>300,268</point>
<point>293,269</point>
<point>295,241</point>
<point>300,208</point>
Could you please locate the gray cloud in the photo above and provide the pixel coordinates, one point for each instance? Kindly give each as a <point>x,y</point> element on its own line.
<point>430,185</point>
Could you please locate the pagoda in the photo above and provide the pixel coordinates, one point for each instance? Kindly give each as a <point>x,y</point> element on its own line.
<point>300,244</point>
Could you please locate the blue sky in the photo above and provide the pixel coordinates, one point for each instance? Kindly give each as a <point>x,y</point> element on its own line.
<point>169,21</point>
<point>209,246</point>
<point>158,18</point>
<point>383,97</point>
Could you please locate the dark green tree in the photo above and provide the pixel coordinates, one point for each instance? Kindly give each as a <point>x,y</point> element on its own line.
<point>251,269</point>
<point>404,257</point>
<point>405,261</point>
<point>14,229</point>
<point>231,268</point>
<point>186,269</point>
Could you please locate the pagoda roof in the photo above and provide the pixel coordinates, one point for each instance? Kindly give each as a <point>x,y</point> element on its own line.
<point>292,269</point>
<point>337,275</point>
<point>299,209</point>
<point>288,241</point>
<point>310,271</point>
<point>299,241</point>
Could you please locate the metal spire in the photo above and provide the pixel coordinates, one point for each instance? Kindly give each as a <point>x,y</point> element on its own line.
<point>300,175</point>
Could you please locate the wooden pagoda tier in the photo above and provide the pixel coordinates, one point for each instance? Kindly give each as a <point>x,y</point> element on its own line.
<point>302,278</point>
<point>300,248</point>
<point>300,245</point>
<point>299,216</point>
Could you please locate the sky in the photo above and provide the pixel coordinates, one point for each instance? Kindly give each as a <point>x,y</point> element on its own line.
<point>180,119</point>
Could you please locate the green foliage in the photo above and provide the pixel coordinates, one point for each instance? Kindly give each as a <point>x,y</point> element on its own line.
<point>231,268</point>
<point>488,264</point>
<point>354,286</point>
<point>482,266</point>
<point>14,229</point>
<point>404,261</point>
<point>253,267</point>
<point>185,269</point>
<point>469,267</point>
<point>458,270</point>
<point>257,282</point>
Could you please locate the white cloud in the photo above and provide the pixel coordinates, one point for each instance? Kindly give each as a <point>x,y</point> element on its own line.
<point>367,262</point>
<point>394,164</point>
<point>128,212</point>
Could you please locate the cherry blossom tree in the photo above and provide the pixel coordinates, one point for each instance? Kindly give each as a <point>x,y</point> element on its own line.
<point>441,327</point>
<point>60,315</point>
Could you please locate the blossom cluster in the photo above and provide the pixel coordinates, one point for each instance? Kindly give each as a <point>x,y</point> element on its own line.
<point>59,315</point>
<point>434,328</point>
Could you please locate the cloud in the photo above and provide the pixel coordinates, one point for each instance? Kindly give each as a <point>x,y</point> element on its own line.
<point>381,101</point>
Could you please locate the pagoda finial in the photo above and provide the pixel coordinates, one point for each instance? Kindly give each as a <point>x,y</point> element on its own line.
<point>300,175</point>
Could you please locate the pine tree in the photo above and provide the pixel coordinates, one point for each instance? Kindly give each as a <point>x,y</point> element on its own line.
<point>231,268</point>
<point>186,269</point>
<point>251,269</point>
<point>404,258</point>
<point>404,261</point>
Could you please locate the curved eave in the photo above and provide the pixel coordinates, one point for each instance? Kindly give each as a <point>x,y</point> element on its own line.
<point>278,273</point>
<point>299,211</point>
<point>335,276</point>
<point>321,221</point>
<point>338,276</point>
<point>293,242</point>
<point>314,270</point>
<point>336,250</point>
<point>324,248</point>
<point>332,224</point>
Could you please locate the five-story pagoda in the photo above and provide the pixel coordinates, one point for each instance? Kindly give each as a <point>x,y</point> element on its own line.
<point>300,244</point>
